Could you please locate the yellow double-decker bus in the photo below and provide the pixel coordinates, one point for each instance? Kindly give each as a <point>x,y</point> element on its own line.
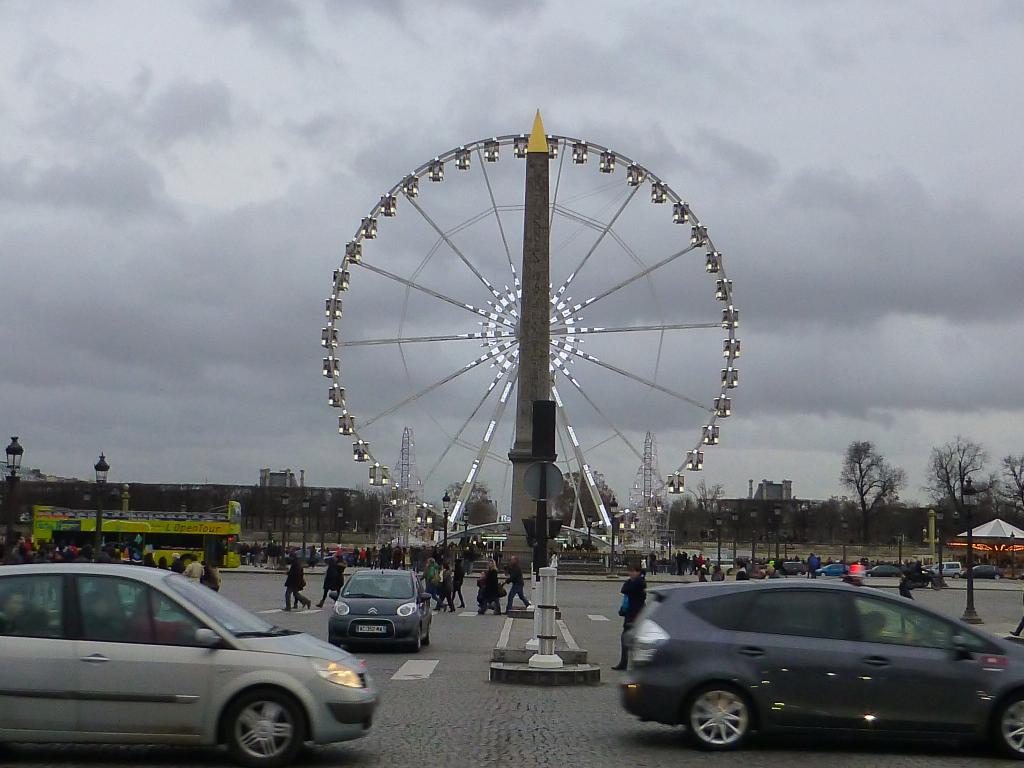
<point>207,536</point>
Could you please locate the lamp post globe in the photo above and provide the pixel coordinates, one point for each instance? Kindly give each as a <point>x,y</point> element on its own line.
<point>969,495</point>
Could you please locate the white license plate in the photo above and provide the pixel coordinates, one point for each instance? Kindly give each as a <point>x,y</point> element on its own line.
<point>372,629</point>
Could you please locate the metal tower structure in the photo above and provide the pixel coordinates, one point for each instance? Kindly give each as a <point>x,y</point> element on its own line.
<point>407,482</point>
<point>647,499</point>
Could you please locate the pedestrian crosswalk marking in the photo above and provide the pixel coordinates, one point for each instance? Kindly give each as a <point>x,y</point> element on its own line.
<point>596,617</point>
<point>468,613</point>
<point>416,669</point>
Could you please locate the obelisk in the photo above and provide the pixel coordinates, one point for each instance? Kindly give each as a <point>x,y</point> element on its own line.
<point>533,333</point>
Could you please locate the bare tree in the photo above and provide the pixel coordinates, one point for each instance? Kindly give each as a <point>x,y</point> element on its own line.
<point>479,507</point>
<point>949,467</point>
<point>1013,483</point>
<point>874,480</point>
<point>710,497</point>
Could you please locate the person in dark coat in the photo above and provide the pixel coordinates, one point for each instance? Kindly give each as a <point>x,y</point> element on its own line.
<point>458,577</point>
<point>294,584</point>
<point>490,590</point>
<point>334,577</point>
<point>634,597</point>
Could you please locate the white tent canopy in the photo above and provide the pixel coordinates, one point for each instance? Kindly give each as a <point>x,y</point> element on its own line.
<point>996,529</point>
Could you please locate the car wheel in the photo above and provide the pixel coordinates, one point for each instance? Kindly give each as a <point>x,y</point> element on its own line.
<point>718,718</point>
<point>426,637</point>
<point>1008,726</point>
<point>417,642</point>
<point>265,729</point>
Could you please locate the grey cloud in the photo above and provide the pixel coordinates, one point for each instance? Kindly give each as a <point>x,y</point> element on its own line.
<point>187,109</point>
<point>118,184</point>
<point>737,160</point>
<point>279,23</point>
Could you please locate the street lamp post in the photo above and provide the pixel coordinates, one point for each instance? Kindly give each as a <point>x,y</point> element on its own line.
<point>753,537</point>
<point>777,513</point>
<point>321,524</point>
<point>969,494</point>
<point>285,505</point>
<point>1013,557</point>
<point>14,453</point>
<point>446,505</point>
<point>899,543</point>
<point>612,506</point>
<point>939,580</point>
<point>718,530</point>
<point>735,534</point>
<point>305,522</point>
<point>846,525</point>
<point>102,468</point>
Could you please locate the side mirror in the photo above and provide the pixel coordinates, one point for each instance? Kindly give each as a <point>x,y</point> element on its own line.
<point>333,595</point>
<point>207,638</point>
<point>961,651</point>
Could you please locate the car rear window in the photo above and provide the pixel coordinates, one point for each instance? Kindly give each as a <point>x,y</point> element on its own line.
<point>722,611</point>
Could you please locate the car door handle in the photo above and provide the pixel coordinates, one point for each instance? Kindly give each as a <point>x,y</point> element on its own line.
<point>95,658</point>
<point>749,650</point>
<point>877,661</point>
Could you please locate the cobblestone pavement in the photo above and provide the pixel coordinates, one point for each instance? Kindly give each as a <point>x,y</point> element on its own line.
<point>456,716</point>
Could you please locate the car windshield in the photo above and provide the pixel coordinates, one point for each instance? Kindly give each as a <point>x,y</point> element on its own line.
<point>392,586</point>
<point>233,618</point>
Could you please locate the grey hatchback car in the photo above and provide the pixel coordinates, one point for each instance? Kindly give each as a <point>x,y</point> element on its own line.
<point>381,607</point>
<point>730,658</point>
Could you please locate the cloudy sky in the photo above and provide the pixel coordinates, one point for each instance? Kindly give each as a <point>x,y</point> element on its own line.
<point>178,180</point>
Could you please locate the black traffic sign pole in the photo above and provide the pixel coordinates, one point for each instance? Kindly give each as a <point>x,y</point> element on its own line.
<point>543,450</point>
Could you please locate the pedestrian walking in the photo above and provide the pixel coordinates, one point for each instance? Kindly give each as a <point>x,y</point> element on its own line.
<point>905,588</point>
<point>333,578</point>
<point>1020,627</point>
<point>634,597</point>
<point>211,576</point>
<point>432,577</point>
<point>489,590</point>
<point>447,584</point>
<point>515,581</point>
<point>458,577</point>
<point>294,583</point>
<point>194,570</point>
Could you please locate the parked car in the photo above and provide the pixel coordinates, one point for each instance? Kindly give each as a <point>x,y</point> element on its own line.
<point>726,659</point>
<point>985,571</point>
<point>949,570</point>
<point>833,569</point>
<point>793,568</point>
<point>113,654</point>
<point>381,608</point>
<point>885,569</point>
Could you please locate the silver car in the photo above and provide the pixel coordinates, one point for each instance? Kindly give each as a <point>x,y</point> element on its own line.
<point>122,654</point>
<point>727,659</point>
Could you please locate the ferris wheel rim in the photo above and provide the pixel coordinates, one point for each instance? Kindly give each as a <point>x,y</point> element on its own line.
<point>479,147</point>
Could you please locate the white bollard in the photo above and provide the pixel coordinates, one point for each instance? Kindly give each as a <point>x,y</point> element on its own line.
<point>533,644</point>
<point>546,658</point>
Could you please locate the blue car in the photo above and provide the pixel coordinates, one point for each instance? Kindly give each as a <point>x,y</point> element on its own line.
<point>833,569</point>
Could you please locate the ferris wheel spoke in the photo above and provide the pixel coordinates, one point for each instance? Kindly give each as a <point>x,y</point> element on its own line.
<point>639,379</point>
<point>577,507</point>
<point>558,182</point>
<point>485,358</point>
<point>492,316</point>
<point>637,276</point>
<point>497,217</point>
<point>600,238</point>
<point>604,416</point>
<point>424,339</point>
<point>485,447</point>
<point>563,330</point>
<point>457,439</point>
<point>444,236</point>
<point>588,475</point>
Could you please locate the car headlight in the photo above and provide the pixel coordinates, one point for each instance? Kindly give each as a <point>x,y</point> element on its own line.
<point>406,609</point>
<point>340,608</point>
<point>337,673</point>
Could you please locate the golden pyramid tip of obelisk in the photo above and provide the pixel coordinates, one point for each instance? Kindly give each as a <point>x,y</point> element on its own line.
<point>538,139</point>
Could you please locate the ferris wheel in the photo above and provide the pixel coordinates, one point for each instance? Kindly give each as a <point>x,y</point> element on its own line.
<point>424,312</point>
